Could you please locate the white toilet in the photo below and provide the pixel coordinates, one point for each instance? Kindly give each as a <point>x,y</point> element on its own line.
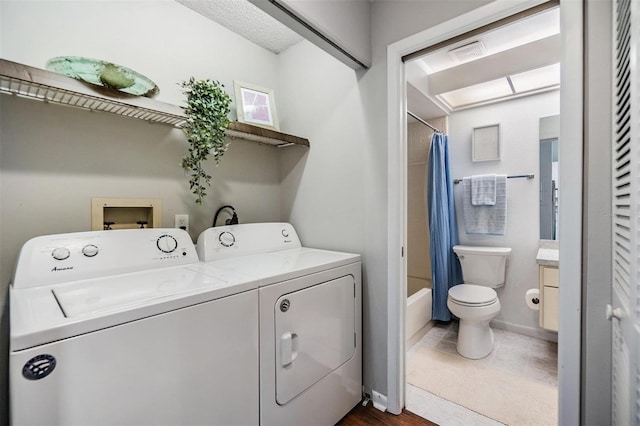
<point>476,302</point>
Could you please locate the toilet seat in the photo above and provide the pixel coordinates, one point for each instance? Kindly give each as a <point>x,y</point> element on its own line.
<point>472,295</point>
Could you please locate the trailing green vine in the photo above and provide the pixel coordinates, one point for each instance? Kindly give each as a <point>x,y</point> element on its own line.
<point>208,107</point>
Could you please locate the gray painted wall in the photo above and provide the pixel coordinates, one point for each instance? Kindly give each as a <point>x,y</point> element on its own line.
<point>596,341</point>
<point>336,195</point>
<point>344,115</point>
<point>391,22</point>
<point>347,24</point>
<point>570,210</point>
<point>54,158</point>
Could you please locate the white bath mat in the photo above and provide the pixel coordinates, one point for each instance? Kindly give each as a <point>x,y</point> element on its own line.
<point>507,398</point>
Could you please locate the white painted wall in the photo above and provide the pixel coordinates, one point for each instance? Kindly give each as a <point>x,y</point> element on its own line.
<point>519,151</point>
<point>54,158</point>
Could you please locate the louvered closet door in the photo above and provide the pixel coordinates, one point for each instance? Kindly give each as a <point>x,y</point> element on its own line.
<point>625,310</point>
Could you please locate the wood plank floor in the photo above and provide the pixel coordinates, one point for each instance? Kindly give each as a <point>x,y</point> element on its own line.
<point>369,415</point>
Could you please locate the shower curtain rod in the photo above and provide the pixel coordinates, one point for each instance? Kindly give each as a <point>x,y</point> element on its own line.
<point>529,176</point>
<point>423,122</point>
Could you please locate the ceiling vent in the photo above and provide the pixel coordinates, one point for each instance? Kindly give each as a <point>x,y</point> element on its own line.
<point>468,52</point>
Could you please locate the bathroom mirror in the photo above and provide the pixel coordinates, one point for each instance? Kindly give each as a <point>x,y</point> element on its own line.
<point>549,132</point>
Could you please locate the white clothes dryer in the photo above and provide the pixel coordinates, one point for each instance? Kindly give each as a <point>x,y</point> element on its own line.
<point>119,327</point>
<point>310,319</point>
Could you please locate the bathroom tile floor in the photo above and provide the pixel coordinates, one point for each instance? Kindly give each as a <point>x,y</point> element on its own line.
<point>514,353</point>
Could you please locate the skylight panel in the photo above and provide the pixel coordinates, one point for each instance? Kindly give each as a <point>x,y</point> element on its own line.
<point>536,79</point>
<point>478,93</point>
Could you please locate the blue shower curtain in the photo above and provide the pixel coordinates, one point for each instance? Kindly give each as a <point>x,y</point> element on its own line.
<point>443,230</point>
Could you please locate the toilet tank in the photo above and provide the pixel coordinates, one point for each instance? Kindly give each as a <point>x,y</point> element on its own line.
<point>484,266</point>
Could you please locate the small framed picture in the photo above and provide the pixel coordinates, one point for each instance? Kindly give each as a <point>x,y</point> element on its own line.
<point>485,145</point>
<point>256,105</point>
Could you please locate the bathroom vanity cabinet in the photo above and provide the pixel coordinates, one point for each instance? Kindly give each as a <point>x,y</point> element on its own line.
<point>549,283</point>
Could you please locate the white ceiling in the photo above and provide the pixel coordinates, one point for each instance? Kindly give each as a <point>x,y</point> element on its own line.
<point>247,20</point>
<point>416,103</point>
<point>517,59</point>
<point>473,80</point>
<point>507,37</point>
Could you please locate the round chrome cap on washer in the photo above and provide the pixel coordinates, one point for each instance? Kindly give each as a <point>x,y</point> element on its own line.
<point>472,295</point>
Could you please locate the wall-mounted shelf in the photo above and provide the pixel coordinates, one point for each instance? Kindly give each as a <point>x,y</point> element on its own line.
<point>262,135</point>
<point>35,83</point>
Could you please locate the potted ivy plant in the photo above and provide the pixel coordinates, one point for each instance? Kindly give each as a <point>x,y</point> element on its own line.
<point>207,111</point>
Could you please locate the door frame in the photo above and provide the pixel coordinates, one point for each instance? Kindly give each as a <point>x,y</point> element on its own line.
<point>571,152</point>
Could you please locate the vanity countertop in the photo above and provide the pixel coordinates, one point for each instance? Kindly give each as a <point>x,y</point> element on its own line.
<point>548,257</point>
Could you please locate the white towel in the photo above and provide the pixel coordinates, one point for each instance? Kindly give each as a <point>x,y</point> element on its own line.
<point>485,219</point>
<point>483,190</point>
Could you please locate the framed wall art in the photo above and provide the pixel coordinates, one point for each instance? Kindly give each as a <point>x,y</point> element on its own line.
<point>485,145</point>
<point>256,105</point>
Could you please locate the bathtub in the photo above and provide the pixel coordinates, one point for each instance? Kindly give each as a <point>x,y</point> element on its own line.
<point>418,312</point>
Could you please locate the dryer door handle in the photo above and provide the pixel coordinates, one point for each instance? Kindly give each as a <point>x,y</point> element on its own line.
<point>288,348</point>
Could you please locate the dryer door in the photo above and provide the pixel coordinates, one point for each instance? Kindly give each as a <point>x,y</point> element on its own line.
<point>315,334</point>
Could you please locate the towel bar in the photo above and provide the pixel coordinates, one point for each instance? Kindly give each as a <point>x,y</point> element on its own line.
<point>529,176</point>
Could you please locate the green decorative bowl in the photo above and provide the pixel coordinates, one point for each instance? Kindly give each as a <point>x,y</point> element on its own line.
<point>104,74</point>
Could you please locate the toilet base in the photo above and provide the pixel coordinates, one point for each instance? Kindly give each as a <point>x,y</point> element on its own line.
<point>475,339</point>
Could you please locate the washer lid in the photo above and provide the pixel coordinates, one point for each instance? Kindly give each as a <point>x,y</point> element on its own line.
<point>471,294</point>
<point>45,314</point>
<point>95,297</point>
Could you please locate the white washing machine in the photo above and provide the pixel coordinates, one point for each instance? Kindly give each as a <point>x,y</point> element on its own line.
<point>119,327</point>
<point>310,320</point>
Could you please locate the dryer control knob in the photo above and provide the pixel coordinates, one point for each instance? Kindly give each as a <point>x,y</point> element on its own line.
<point>60,253</point>
<point>90,250</point>
<point>227,239</point>
<point>166,243</point>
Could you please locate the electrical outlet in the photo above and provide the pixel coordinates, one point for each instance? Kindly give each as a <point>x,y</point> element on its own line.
<point>182,221</point>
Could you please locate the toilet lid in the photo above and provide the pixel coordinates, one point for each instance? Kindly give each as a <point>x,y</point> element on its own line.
<point>470,294</point>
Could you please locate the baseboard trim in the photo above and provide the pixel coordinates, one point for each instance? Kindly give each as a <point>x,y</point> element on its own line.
<point>527,331</point>
<point>379,401</point>
<point>419,334</point>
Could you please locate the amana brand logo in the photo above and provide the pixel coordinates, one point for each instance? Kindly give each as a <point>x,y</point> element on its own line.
<point>66,268</point>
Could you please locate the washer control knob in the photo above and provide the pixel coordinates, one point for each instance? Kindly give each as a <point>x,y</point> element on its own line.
<point>60,253</point>
<point>90,250</point>
<point>227,239</point>
<point>166,243</point>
